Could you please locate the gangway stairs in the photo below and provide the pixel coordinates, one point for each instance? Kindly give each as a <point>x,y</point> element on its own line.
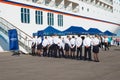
<point>23,38</point>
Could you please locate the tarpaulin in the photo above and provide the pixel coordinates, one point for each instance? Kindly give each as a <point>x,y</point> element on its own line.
<point>13,39</point>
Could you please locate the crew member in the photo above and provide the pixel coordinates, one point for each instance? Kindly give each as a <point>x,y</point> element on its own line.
<point>79,47</point>
<point>95,42</point>
<point>87,46</point>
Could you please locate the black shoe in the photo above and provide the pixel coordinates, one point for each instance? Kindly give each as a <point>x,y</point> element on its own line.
<point>96,61</point>
<point>84,59</point>
<point>90,60</point>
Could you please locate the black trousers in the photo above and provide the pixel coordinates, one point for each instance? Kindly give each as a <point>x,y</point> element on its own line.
<point>55,50</point>
<point>61,52</point>
<point>106,46</point>
<point>87,53</point>
<point>45,51</point>
<point>50,51</point>
<point>79,52</point>
<point>33,50</point>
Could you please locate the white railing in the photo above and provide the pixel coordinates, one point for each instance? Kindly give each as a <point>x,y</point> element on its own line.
<point>24,39</point>
<point>76,10</point>
<point>52,4</point>
<point>109,2</point>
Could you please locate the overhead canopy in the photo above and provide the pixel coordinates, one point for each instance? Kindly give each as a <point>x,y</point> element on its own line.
<point>34,34</point>
<point>94,31</point>
<point>75,30</point>
<point>109,33</point>
<point>49,31</point>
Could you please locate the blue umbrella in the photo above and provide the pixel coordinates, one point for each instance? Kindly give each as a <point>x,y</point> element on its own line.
<point>94,31</point>
<point>109,33</point>
<point>75,30</point>
<point>50,31</point>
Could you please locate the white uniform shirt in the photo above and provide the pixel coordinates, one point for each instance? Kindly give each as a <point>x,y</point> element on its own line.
<point>55,40</point>
<point>45,42</point>
<point>60,43</point>
<point>95,41</point>
<point>106,40</point>
<point>103,39</point>
<point>87,41</point>
<point>39,40</point>
<point>34,41</point>
<point>50,40</point>
<point>92,38</point>
<point>66,40</point>
<point>78,41</point>
<point>72,42</point>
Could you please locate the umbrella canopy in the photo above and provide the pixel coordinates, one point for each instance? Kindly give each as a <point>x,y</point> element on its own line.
<point>94,31</point>
<point>75,30</point>
<point>49,31</point>
<point>34,34</point>
<point>109,33</point>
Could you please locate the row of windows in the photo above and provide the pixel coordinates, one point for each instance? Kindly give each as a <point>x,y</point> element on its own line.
<point>84,9</point>
<point>116,10</point>
<point>34,1</point>
<point>117,2</point>
<point>25,17</point>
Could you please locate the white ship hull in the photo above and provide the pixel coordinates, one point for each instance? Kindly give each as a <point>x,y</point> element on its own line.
<point>10,11</point>
<point>73,12</point>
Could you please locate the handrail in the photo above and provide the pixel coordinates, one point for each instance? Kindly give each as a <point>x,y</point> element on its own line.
<point>24,38</point>
<point>15,27</point>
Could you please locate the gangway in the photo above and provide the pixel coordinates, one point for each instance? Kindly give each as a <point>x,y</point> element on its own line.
<point>23,38</point>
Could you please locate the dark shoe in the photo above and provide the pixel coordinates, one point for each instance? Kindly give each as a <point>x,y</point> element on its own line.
<point>96,61</point>
<point>90,60</point>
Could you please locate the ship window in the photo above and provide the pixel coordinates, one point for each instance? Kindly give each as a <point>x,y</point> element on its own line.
<point>39,17</point>
<point>50,19</point>
<point>34,1</point>
<point>60,20</point>
<point>25,15</point>
<point>82,8</point>
<point>87,9</point>
<point>114,9</point>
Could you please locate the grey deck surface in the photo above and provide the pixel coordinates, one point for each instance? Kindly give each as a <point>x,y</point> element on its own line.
<point>27,67</point>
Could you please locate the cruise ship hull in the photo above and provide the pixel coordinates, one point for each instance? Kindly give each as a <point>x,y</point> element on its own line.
<point>11,11</point>
<point>30,17</point>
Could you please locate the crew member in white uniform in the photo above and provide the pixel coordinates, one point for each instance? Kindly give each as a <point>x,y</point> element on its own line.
<point>50,46</point>
<point>55,45</point>
<point>45,44</point>
<point>33,46</point>
<point>106,43</point>
<point>60,47</point>
<point>87,46</point>
<point>96,43</point>
<point>39,46</point>
<point>72,47</point>
<point>67,46</point>
<point>79,47</point>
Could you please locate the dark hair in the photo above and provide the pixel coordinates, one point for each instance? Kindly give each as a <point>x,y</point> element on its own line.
<point>83,37</point>
<point>78,35</point>
<point>96,35</point>
<point>59,36</point>
<point>73,36</point>
<point>45,37</point>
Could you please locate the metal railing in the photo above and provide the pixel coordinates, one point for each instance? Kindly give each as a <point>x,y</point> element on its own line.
<point>24,38</point>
